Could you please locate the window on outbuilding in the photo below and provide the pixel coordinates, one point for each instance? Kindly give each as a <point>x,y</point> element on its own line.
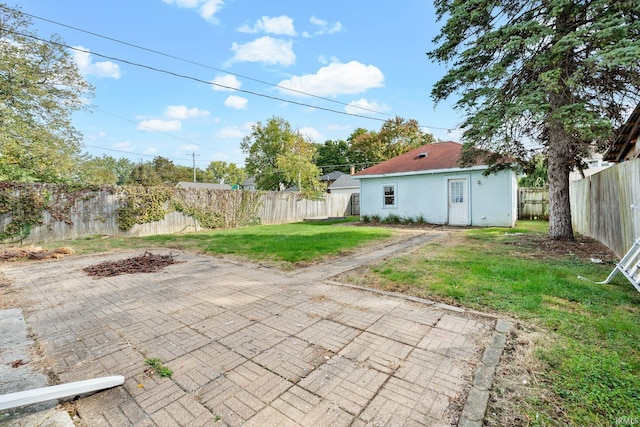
<point>456,192</point>
<point>389,195</point>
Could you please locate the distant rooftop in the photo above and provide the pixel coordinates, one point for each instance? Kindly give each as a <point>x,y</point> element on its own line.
<point>203,185</point>
<point>345,181</point>
<point>331,176</point>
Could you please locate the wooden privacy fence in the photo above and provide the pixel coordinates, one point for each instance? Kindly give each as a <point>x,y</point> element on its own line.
<point>95,212</point>
<point>601,206</point>
<point>280,207</point>
<point>533,202</point>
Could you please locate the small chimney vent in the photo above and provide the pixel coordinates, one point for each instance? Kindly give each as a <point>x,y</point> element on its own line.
<point>422,155</point>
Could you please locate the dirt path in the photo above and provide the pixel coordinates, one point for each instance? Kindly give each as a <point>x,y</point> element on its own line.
<point>405,241</point>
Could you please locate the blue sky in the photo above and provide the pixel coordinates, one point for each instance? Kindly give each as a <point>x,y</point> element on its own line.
<point>353,53</point>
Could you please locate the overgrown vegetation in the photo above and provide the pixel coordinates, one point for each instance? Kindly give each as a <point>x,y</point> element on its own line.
<point>591,354</point>
<point>218,209</point>
<point>143,205</point>
<point>156,365</point>
<point>24,204</point>
<point>25,209</point>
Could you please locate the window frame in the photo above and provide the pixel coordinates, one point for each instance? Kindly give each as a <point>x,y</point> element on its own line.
<point>394,193</point>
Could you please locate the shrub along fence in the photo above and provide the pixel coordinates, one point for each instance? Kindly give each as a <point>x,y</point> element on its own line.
<point>38,213</point>
<point>601,206</point>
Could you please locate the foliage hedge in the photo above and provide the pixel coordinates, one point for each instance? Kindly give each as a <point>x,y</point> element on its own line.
<point>24,204</point>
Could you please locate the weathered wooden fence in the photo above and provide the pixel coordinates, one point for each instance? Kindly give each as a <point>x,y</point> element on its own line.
<point>278,207</point>
<point>96,213</point>
<point>606,206</point>
<point>533,202</point>
<point>355,203</point>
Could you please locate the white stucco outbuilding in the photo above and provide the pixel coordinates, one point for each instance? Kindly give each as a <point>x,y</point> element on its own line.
<point>428,182</point>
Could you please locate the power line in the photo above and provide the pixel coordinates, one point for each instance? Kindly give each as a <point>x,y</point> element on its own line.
<point>145,155</point>
<point>211,68</point>
<point>167,55</point>
<point>186,77</point>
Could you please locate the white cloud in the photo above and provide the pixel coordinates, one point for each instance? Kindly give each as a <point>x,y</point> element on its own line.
<point>317,21</point>
<point>188,147</point>
<point>337,27</point>
<point>150,150</point>
<point>87,67</point>
<point>123,146</point>
<point>335,79</point>
<point>206,8</point>
<point>236,102</point>
<point>190,4</point>
<point>161,125</point>
<point>230,132</point>
<point>183,112</point>
<point>311,133</point>
<point>325,27</point>
<point>365,106</point>
<point>209,9</point>
<point>281,25</point>
<point>265,49</point>
<point>228,80</point>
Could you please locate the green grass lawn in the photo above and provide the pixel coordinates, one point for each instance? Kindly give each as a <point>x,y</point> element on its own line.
<point>591,356</point>
<point>284,245</point>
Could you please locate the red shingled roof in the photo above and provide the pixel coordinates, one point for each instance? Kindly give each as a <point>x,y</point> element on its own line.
<point>439,155</point>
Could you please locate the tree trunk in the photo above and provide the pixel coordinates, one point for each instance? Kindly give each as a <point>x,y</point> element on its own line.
<point>560,227</point>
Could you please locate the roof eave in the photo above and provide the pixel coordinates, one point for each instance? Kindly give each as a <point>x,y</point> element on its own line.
<point>420,172</point>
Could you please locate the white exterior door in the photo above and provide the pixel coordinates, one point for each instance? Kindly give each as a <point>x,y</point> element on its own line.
<point>458,202</point>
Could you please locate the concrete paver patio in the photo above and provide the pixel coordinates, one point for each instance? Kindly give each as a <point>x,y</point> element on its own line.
<point>250,345</point>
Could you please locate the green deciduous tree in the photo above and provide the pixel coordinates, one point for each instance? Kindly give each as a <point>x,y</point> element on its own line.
<point>105,170</point>
<point>144,174</point>
<point>160,171</point>
<point>223,172</point>
<point>279,156</point>
<point>536,172</point>
<point>557,72</point>
<point>332,156</point>
<point>296,163</point>
<point>262,147</point>
<point>396,136</point>
<point>40,88</point>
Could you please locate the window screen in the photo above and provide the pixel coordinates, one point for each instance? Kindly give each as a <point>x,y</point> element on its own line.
<point>389,195</point>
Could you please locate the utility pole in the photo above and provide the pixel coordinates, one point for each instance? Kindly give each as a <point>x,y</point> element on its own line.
<point>193,155</point>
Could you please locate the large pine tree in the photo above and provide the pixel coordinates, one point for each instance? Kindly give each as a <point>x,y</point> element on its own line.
<point>558,73</point>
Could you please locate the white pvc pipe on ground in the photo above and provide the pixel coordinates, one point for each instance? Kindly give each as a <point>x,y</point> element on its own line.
<point>29,397</point>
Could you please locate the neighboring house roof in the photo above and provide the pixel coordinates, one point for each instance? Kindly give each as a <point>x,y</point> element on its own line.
<point>345,181</point>
<point>332,176</point>
<point>595,164</point>
<point>204,186</point>
<point>429,157</point>
<point>249,181</point>
<point>626,139</point>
